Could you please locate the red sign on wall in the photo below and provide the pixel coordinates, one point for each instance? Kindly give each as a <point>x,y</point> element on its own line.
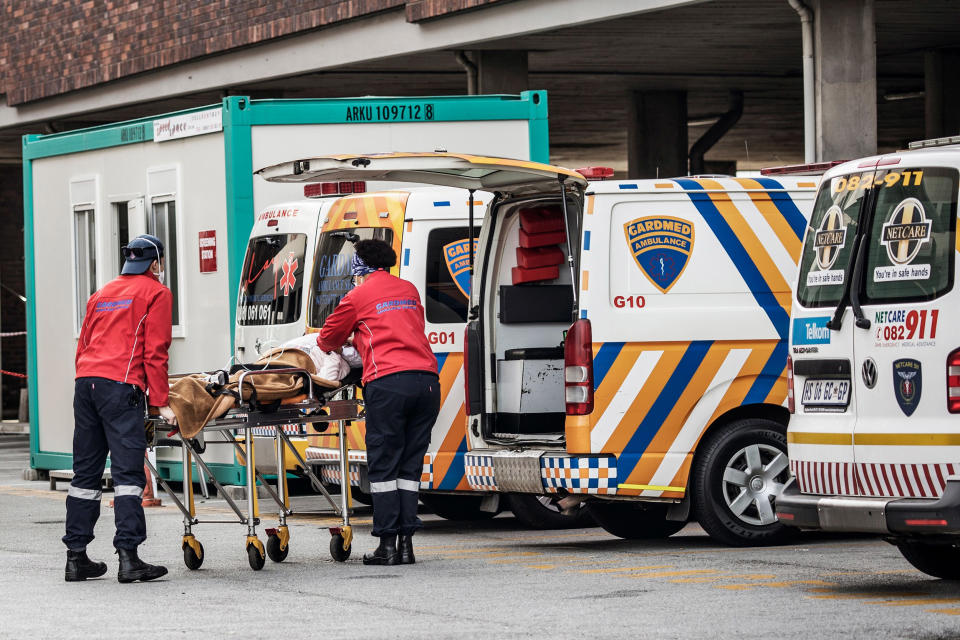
<point>208,251</point>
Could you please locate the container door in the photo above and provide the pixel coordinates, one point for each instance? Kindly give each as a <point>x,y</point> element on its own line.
<point>820,440</point>
<point>906,442</point>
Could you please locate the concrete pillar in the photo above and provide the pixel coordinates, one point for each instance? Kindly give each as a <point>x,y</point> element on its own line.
<point>501,71</point>
<point>845,47</point>
<point>657,134</point>
<point>942,93</point>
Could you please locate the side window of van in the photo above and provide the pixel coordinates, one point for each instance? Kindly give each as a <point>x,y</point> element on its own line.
<point>447,275</point>
<point>828,246</point>
<point>911,240</point>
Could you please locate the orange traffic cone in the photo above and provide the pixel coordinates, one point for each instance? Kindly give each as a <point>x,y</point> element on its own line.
<point>149,500</point>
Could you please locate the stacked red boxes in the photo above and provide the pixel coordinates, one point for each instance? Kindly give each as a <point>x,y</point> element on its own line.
<point>538,256</point>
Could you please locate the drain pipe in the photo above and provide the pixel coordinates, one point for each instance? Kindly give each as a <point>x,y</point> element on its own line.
<point>717,131</point>
<point>809,106</point>
<point>471,70</point>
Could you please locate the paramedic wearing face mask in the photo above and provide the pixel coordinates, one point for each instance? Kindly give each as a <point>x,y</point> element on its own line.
<point>401,391</point>
<point>121,354</point>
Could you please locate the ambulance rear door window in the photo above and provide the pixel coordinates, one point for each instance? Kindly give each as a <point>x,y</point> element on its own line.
<point>271,287</point>
<point>911,242</point>
<point>827,257</point>
<point>447,275</point>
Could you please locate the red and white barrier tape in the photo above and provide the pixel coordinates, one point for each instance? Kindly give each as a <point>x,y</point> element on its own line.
<point>10,334</point>
<point>12,373</point>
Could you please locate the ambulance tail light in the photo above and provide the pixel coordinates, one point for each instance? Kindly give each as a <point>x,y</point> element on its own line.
<point>953,381</point>
<point>791,403</point>
<point>578,368</point>
<point>596,173</point>
<point>472,369</point>
<point>322,189</point>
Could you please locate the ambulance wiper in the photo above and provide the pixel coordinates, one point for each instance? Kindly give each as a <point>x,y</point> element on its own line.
<point>861,318</point>
<point>849,293</point>
<point>349,236</point>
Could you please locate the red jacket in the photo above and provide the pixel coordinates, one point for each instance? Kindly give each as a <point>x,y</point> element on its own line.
<point>386,314</point>
<point>126,335</point>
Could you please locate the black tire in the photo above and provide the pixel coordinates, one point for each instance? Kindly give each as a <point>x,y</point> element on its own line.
<point>255,558</point>
<point>718,502</point>
<point>634,520</point>
<point>361,497</point>
<point>190,557</point>
<point>337,552</point>
<point>541,512</point>
<point>937,560</point>
<point>456,507</point>
<point>274,551</point>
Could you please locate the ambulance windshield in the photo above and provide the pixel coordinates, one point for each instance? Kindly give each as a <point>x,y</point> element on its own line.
<point>271,287</point>
<point>331,268</point>
<point>828,247</point>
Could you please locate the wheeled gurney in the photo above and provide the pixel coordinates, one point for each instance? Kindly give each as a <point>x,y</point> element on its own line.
<point>316,405</point>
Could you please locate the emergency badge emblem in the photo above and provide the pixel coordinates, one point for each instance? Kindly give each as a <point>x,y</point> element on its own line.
<point>457,257</point>
<point>907,384</point>
<point>661,245</point>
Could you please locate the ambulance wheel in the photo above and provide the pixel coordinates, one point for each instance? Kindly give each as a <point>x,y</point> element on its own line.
<point>255,557</point>
<point>937,560</point>
<point>337,552</point>
<point>274,551</point>
<point>456,507</point>
<point>190,557</point>
<point>738,473</point>
<point>542,512</point>
<point>634,520</point>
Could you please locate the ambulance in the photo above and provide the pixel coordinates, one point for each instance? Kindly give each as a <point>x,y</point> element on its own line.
<point>874,440</point>
<point>626,341</point>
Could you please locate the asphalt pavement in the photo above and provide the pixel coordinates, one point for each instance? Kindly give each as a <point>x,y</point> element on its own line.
<point>489,579</point>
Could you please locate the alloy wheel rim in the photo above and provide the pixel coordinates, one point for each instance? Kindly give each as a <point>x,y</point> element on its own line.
<point>752,478</point>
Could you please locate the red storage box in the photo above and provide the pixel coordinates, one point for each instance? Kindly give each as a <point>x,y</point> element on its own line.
<point>521,275</point>
<point>539,257</point>
<point>541,220</point>
<point>531,240</point>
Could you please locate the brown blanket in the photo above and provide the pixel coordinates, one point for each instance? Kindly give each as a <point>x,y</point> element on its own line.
<point>194,407</point>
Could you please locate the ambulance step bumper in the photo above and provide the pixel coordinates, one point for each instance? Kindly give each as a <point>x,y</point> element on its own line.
<point>890,516</point>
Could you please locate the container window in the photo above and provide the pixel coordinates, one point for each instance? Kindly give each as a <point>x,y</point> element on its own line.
<point>85,253</point>
<point>162,222</point>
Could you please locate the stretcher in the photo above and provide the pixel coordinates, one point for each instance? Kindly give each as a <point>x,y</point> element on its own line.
<point>236,428</point>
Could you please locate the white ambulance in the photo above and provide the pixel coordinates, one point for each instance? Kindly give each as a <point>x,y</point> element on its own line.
<point>627,340</point>
<point>874,441</point>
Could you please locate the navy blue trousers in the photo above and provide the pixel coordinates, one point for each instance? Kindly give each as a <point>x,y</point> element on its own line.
<point>401,409</point>
<point>108,417</point>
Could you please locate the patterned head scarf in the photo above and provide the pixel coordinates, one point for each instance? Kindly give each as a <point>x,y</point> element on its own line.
<point>359,267</point>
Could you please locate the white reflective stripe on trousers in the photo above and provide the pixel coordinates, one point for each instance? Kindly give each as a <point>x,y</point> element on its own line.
<point>127,490</point>
<point>383,487</point>
<point>408,485</point>
<point>83,494</point>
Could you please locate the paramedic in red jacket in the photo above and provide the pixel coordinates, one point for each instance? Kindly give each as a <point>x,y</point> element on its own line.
<point>401,391</point>
<point>121,355</point>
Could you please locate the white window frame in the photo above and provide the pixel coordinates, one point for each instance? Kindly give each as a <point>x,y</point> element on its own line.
<point>88,270</point>
<point>83,196</point>
<point>163,186</point>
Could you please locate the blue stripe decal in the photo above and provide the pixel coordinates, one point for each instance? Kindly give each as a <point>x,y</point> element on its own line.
<point>583,314</point>
<point>628,186</point>
<point>406,257</point>
<point>456,471</point>
<point>667,399</point>
<point>586,241</point>
<point>603,360</point>
<point>442,203</point>
<point>768,376</point>
<point>441,358</point>
<point>785,205</point>
<point>738,254</point>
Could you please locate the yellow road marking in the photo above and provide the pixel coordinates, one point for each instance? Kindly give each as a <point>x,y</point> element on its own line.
<point>626,569</point>
<point>667,574</point>
<point>949,612</point>
<point>775,585</point>
<point>916,601</point>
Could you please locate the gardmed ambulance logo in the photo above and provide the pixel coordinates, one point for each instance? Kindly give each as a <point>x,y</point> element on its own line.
<point>907,379</point>
<point>661,245</point>
<point>457,257</point>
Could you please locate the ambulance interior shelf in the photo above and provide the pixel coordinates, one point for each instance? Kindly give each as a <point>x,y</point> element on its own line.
<point>535,305</point>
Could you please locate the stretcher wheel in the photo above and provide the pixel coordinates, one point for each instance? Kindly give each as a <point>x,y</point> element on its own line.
<point>191,558</point>
<point>274,551</point>
<point>337,552</point>
<point>256,557</point>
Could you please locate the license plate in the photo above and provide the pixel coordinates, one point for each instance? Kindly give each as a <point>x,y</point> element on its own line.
<point>832,393</point>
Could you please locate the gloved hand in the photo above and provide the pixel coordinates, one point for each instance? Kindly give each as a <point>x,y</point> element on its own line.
<point>167,414</point>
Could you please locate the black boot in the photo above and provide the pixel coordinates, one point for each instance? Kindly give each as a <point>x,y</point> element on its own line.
<point>80,567</point>
<point>386,553</point>
<point>132,568</point>
<point>405,545</point>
